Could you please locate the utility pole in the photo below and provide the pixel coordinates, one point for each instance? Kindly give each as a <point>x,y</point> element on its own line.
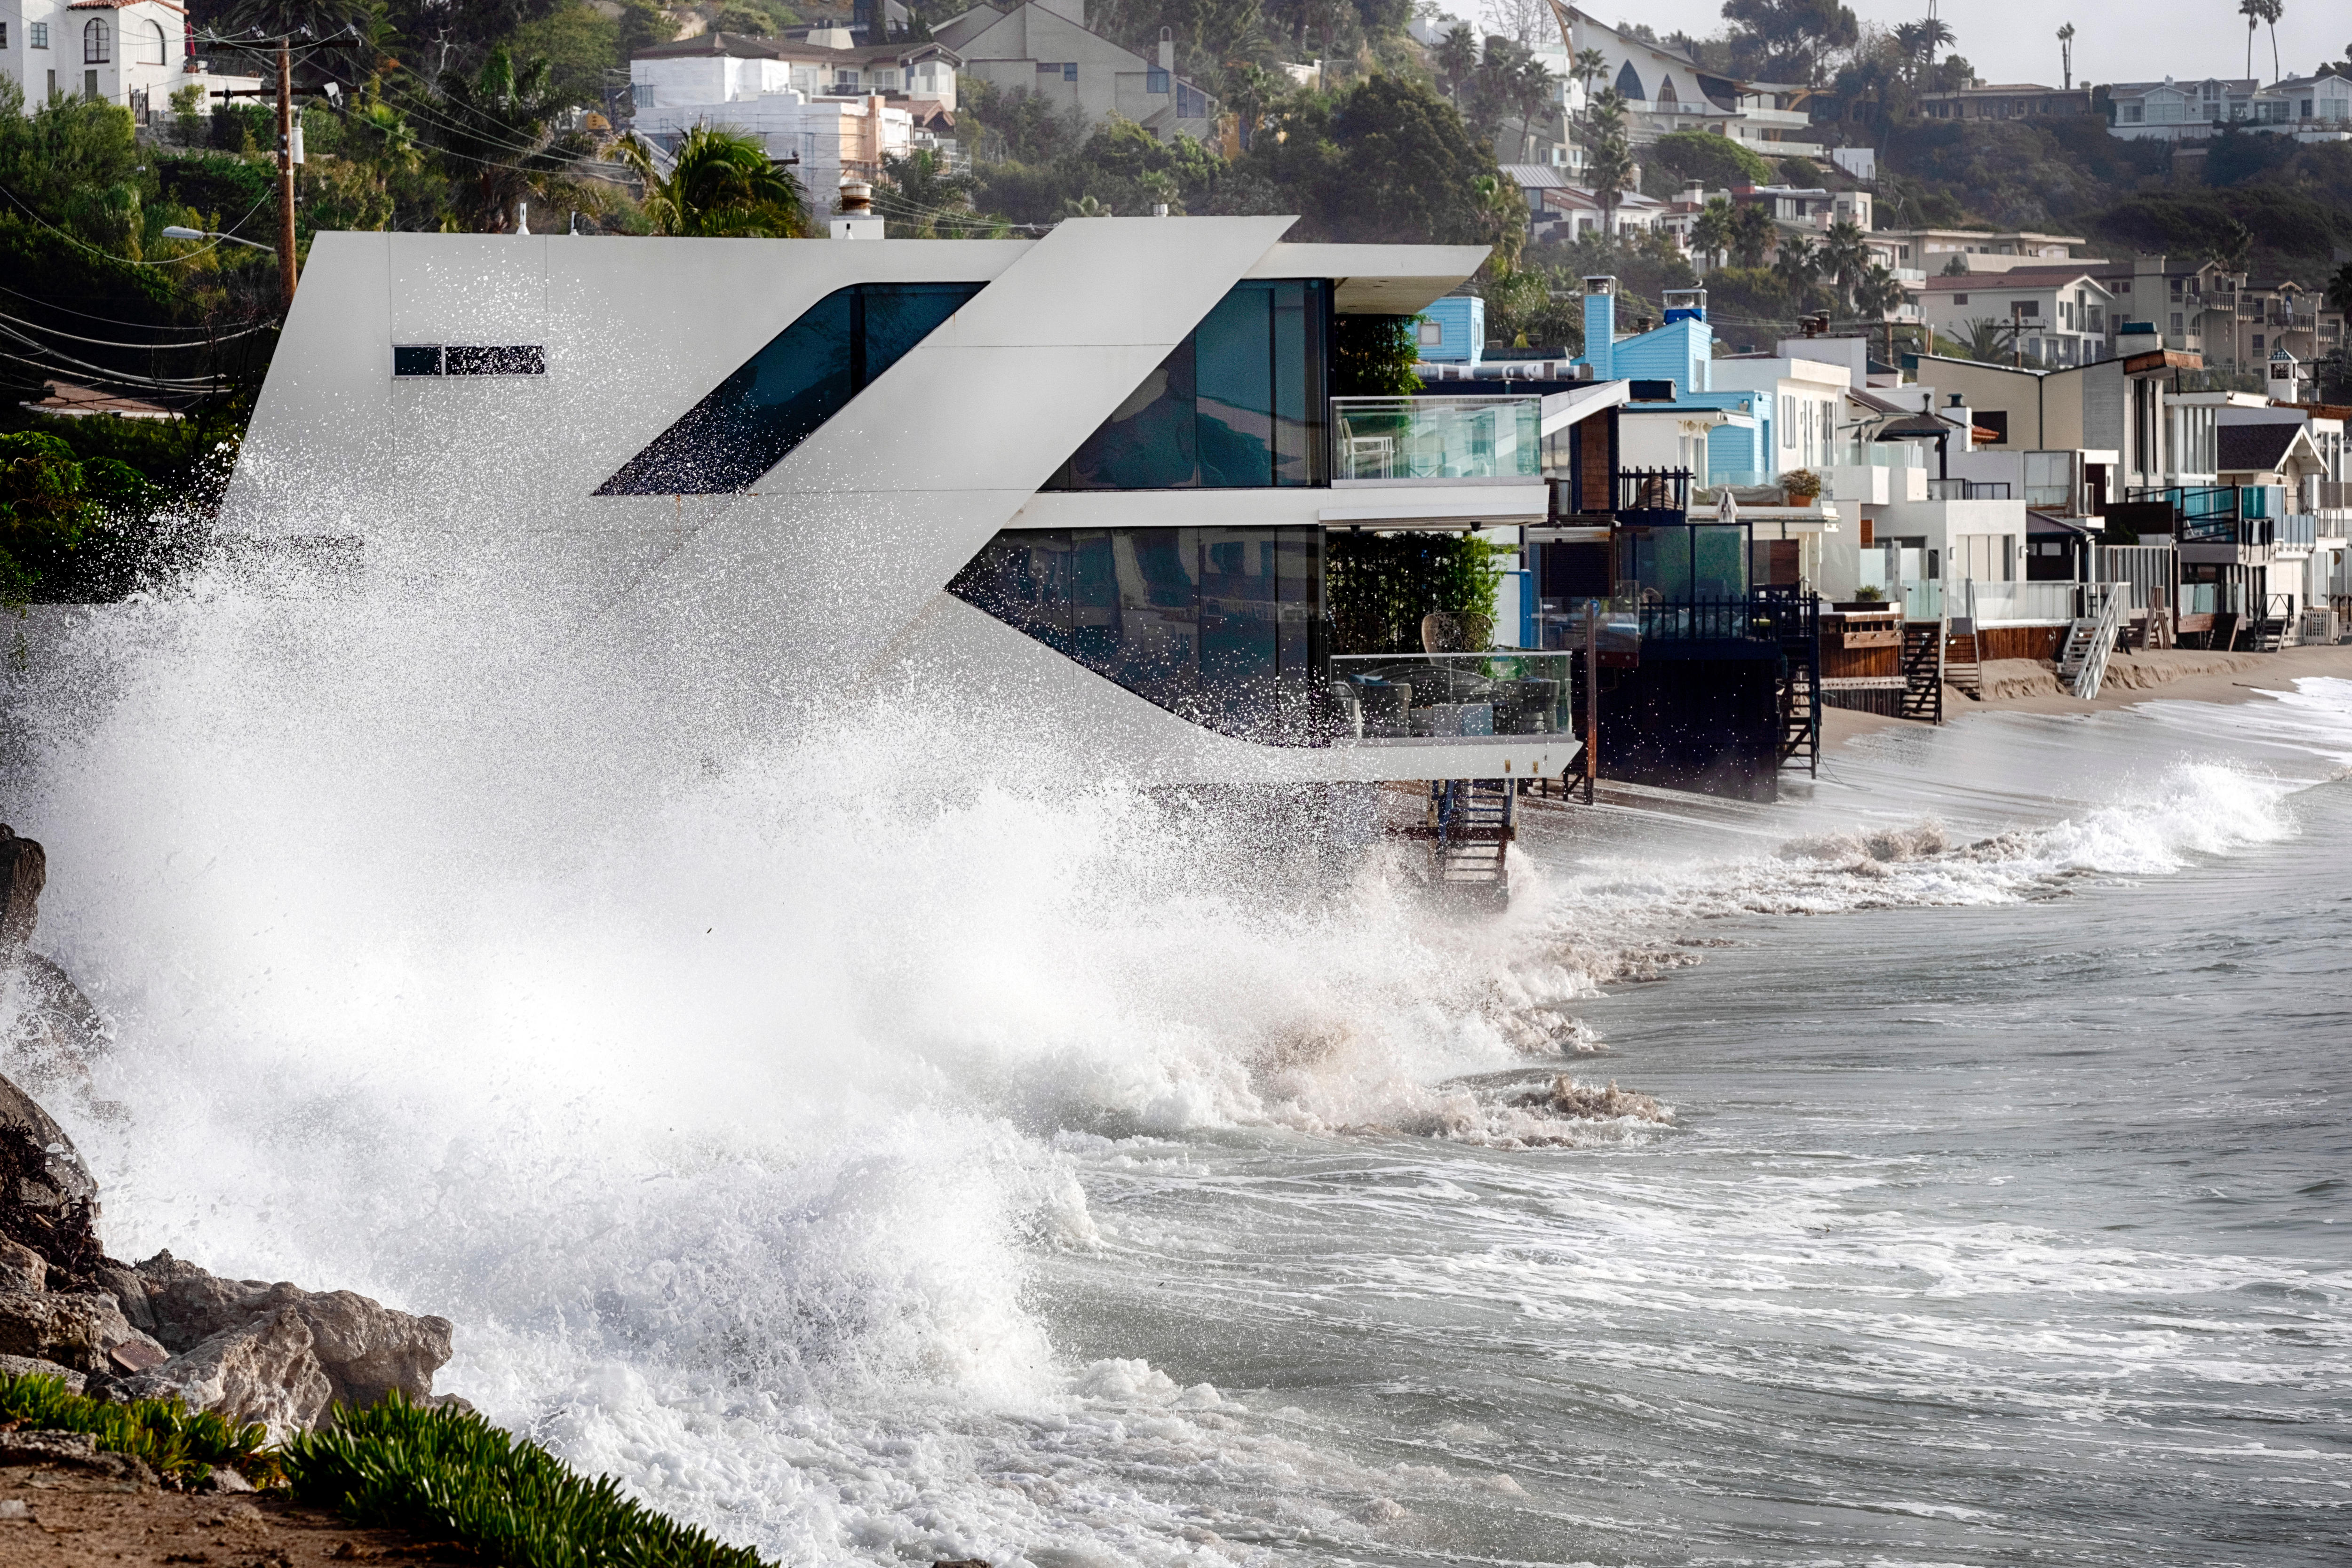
<point>286,169</point>
<point>2016,334</point>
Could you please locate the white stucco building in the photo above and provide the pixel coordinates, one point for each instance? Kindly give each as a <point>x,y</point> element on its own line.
<point>838,111</point>
<point>130,52</point>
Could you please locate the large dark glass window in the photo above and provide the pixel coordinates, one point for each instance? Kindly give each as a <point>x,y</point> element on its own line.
<point>1220,625</point>
<point>778,398</point>
<point>1238,405</point>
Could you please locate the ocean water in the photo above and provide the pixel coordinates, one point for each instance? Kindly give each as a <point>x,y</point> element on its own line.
<point>869,1143</point>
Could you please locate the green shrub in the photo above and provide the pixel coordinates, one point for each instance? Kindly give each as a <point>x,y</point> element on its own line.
<point>1382,584</point>
<point>450,1473</point>
<point>182,1446</point>
<point>1718,161</point>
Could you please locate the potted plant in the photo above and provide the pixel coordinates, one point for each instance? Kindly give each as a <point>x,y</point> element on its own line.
<point>1803,486</point>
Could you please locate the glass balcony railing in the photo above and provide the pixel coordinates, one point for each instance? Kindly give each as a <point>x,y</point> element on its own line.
<point>1406,439</point>
<point>2297,527</point>
<point>1407,696</point>
<point>1883,455</point>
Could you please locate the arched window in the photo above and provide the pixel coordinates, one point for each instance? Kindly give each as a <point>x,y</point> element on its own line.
<point>1629,83</point>
<point>162,45</point>
<point>96,42</point>
<point>1666,98</point>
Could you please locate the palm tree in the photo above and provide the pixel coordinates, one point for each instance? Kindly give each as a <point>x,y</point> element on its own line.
<point>1531,84</point>
<point>1876,292</point>
<point>1798,264</point>
<point>1610,163</point>
<point>2270,11</point>
<point>1933,33</point>
<point>721,184</point>
<point>1711,229</point>
<point>2066,54</point>
<point>1503,209</point>
<point>1988,339</point>
<point>2339,291</point>
<point>1910,39</point>
<point>1846,254</point>
<point>496,135</point>
<point>1751,235</point>
<point>2252,10</point>
<point>1456,59</point>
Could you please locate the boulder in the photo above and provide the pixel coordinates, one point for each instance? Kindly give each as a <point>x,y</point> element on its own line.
<point>267,1370</point>
<point>56,1030</point>
<point>21,1267</point>
<point>24,871</point>
<point>48,1202</point>
<point>352,1351</point>
<point>80,1331</point>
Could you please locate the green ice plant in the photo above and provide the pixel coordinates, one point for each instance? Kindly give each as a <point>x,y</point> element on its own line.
<point>181,1444</point>
<point>450,1473</point>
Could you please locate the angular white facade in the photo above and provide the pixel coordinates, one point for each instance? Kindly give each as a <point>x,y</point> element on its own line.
<point>598,356</point>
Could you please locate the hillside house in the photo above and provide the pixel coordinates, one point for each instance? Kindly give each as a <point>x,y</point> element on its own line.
<point>1046,48</point>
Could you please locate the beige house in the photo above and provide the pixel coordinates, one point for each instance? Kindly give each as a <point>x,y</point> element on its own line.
<point>1046,48</point>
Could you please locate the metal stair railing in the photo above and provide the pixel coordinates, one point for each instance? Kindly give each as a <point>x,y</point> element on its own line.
<point>2113,598</point>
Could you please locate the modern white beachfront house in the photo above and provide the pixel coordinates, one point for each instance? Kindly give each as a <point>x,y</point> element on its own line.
<point>1087,476</point>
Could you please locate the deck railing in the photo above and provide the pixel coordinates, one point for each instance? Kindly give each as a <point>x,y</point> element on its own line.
<point>1409,438</point>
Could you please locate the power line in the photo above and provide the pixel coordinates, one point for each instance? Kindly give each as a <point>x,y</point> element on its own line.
<point>151,348</point>
<point>127,261</point>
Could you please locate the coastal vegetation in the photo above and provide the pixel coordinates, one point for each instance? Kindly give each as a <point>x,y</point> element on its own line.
<point>180,1445</point>
<point>450,1473</point>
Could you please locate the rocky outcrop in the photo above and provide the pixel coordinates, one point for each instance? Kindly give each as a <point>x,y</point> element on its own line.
<point>271,1353</point>
<point>248,1348</point>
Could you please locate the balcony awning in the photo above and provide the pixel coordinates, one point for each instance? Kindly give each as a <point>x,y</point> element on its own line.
<point>1562,409</point>
<point>1377,279</point>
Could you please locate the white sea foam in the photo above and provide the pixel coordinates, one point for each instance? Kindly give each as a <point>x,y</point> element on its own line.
<point>732,1085</point>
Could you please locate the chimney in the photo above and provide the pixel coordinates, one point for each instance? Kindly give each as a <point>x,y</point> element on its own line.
<point>1601,327</point>
<point>1167,50</point>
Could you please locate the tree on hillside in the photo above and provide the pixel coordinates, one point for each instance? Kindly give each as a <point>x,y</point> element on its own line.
<point>1752,233</point>
<point>1387,159</point>
<point>494,134</point>
<point>1710,233</point>
<point>1877,292</point>
<point>2339,291</point>
<point>1609,156</point>
<point>1789,40</point>
<point>1716,162</point>
<point>453,32</point>
<point>722,184</point>
<point>1509,83</point>
<point>1845,257</point>
<point>1455,59</point>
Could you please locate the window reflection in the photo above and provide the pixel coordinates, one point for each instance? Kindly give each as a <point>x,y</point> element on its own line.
<point>783,394</point>
<point>1237,405</point>
<point>1216,623</point>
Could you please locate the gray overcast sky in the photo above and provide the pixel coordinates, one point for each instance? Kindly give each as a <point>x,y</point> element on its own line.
<point>2115,40</point>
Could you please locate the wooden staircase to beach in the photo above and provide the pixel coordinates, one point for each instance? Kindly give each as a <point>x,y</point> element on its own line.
<point>1471,823</point>
<point>1923,670</point>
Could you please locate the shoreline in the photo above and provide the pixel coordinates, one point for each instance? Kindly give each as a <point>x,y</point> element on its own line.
<point>2218,678</point>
